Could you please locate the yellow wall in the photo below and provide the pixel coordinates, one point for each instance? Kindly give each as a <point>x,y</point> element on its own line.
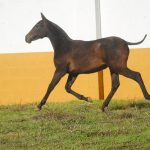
<point>139,60</point>
<point>24,78</point>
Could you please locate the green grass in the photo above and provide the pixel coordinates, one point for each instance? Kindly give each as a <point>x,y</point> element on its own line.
<point>76,126</point>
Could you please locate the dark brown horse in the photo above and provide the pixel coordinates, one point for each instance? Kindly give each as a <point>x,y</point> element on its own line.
<point>79,57</point>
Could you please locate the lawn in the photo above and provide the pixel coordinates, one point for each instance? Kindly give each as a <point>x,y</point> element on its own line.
<point>76,125</point>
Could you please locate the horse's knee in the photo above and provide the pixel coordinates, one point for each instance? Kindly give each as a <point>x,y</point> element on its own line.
<point>67,88</point>
<point>115,82</point>
<point>116,85</point>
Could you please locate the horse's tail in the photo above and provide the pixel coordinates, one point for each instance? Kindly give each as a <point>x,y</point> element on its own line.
<point>130,43</point>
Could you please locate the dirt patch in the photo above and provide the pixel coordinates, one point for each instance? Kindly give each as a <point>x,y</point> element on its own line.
<point>57,116</point>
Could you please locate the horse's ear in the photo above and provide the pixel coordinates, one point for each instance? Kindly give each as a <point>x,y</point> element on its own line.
<point>43,17</point>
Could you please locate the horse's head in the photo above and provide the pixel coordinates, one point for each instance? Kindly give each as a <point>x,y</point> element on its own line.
<point>38,31</point>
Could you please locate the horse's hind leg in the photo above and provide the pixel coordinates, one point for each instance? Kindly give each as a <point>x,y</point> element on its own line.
<point>115,85</point>
<point>137,77</point>
<point>70,81</point>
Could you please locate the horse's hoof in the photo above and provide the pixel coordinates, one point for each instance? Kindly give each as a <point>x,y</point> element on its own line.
<point>147,97</point>
<point>38,108</point>
<point>103,109</point>
<point>89,99</point>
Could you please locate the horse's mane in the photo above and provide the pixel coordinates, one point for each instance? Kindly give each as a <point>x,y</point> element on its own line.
<point>57,30</point>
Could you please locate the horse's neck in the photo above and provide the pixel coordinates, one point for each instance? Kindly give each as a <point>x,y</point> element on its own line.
<point>57,36</point>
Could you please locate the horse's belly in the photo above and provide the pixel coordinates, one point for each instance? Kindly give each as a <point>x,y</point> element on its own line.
<point>85,66</point>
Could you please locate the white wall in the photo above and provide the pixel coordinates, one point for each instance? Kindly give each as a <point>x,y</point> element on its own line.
<point>76,17</point>
<point>129,19</point>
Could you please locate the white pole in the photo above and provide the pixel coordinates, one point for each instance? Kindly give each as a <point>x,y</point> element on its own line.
<point>98,36</point>
<point>98,19</point>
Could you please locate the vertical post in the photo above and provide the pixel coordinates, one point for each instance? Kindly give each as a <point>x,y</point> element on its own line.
<point>99,35</point>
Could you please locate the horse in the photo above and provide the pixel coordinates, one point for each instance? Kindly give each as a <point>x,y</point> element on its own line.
<point>74,57</point>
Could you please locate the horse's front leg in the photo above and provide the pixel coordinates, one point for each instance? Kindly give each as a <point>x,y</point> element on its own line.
<point>56,78</point>
<point>70,81</point>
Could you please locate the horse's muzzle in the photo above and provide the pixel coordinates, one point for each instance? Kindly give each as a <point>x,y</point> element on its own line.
<point>28,38</point>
